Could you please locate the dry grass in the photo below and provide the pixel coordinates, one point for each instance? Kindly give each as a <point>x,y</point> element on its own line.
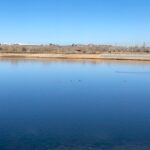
<point>72,49</point>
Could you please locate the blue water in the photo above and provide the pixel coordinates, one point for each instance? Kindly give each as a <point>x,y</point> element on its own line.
<point>69,105</point>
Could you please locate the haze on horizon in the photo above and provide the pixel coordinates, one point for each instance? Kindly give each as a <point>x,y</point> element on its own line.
<point>123,22</point>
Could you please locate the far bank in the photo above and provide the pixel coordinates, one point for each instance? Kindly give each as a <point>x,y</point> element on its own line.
<point>134,56</point>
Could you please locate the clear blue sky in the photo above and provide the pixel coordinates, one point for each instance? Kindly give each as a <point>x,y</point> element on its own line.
<point>75,21</point>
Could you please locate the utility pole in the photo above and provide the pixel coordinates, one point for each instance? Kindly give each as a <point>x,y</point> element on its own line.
<point>144,45</point>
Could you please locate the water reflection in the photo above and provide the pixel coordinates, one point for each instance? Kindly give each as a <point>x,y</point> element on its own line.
<point>64,104</point>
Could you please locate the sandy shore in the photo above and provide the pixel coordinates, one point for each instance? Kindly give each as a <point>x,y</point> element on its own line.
<point>140,57</point>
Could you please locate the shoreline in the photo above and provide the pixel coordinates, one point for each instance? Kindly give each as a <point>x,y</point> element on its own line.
<point>136,56</point>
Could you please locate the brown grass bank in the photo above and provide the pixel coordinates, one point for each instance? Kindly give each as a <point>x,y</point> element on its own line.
<point>73,51</point>
<point>140,57</point>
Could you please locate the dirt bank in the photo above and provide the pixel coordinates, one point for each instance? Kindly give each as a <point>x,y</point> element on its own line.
<point>140,57</point>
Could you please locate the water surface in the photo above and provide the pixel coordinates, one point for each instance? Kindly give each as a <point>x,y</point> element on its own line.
<point>69,105</point>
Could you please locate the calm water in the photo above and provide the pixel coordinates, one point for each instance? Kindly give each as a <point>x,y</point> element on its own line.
<point>66,105</point>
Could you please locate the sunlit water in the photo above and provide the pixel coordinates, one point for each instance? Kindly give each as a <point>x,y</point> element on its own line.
<point>67,105</point>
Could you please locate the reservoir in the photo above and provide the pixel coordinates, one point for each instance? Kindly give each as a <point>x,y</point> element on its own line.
<point>71,105</point>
